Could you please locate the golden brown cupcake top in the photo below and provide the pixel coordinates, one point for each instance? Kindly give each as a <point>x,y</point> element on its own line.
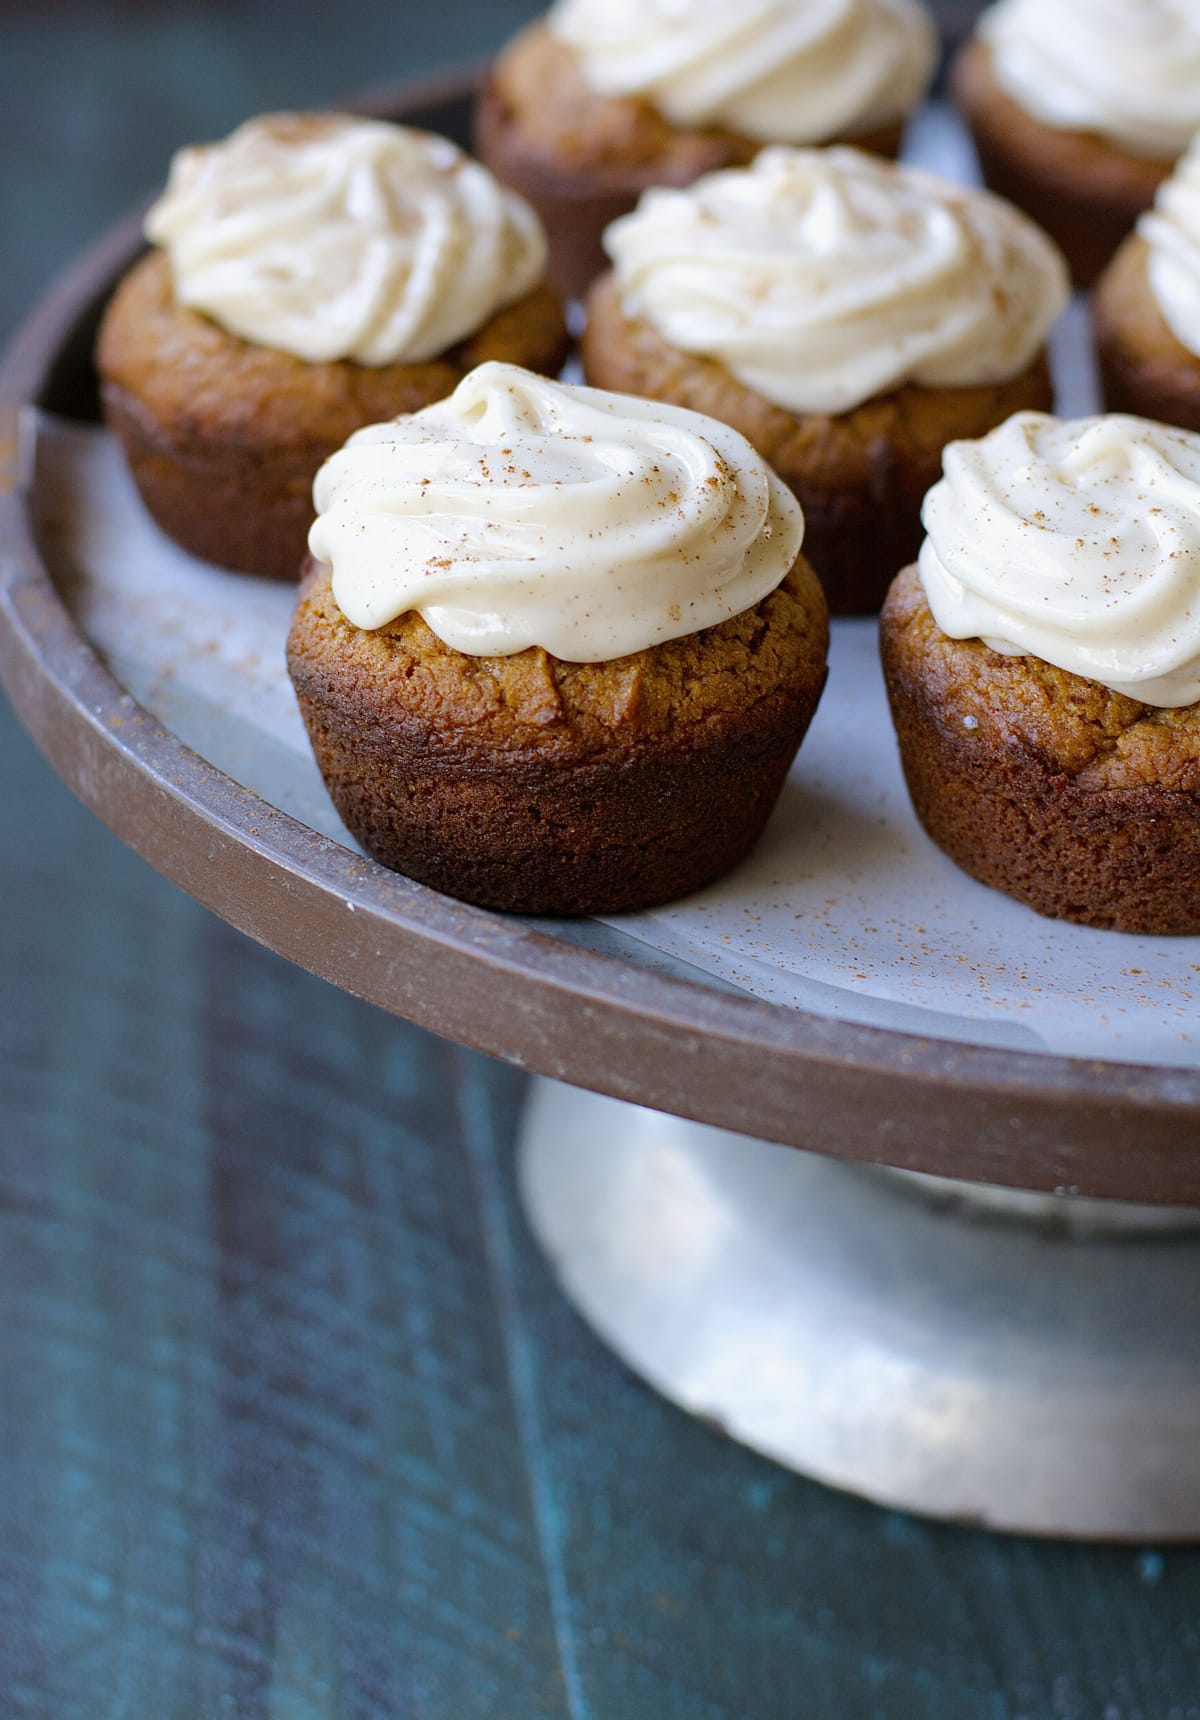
<point>725,677</point>
<point>1075,726</point>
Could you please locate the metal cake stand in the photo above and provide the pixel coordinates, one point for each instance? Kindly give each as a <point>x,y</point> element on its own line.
<point>1027,1360</point>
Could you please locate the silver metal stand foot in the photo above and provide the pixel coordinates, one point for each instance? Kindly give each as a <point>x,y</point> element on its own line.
<point>988,1361</point>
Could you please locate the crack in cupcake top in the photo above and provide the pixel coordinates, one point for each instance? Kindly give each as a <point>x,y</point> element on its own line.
<point>1130,73</point>
<point>822,278</point>
<point>332,238</point>
<point>521,512</point>
<point>1076,541</point>
<point>791,71</point>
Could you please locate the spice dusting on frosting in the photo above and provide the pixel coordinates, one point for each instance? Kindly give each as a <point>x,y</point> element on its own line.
<point>618,523</point>
<point>1077,542</point>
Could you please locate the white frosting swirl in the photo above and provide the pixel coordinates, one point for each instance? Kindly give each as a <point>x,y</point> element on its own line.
<point>523,512</point>
<point>1076,542</point>
<point>791,71</point>
<point>331,237</point>
<point>1127,70</point>
<point>1172,234</point>
<point>822,278</point>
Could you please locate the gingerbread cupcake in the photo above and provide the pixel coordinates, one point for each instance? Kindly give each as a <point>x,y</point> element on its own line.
<point>586,109</point>
<point>1146,308</point>
<point>557,648</point>
<point>849,317</point>
<point>1043,667</point>
<point>1079,109</point>
<point>315,273</point>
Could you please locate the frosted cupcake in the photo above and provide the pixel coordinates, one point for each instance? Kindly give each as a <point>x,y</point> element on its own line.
<point>849,317</point>
<point>1079,108</point>
<point>311,274</point>
<point>586,109</point>
<point>557,648</point>
<point>1146,308</point>
<point>1043,665</point>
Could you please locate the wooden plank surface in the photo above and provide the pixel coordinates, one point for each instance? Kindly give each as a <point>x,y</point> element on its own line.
<point>293,1422</point>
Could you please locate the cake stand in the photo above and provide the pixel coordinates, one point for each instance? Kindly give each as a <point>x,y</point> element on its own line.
<point>1017,1346</point>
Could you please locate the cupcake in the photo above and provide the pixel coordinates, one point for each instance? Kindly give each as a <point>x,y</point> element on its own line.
<point>1079,108</point>
<point>556,649</point>
<point>314,274</point>
<point>849,317</point>
<point>1146,308</point>
<point>1043,667</point>
<point>586,109</point>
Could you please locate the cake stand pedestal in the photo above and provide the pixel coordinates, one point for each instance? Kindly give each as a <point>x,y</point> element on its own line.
<point>1025,1363</point>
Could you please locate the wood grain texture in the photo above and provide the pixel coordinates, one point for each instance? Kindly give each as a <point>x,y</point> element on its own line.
<point>294,1423</point>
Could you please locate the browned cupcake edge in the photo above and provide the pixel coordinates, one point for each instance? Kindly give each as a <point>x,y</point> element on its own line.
<point>571,802</point>
<point>1003,806</point>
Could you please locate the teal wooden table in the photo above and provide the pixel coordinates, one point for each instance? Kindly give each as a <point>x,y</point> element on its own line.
<point>293,1422</point>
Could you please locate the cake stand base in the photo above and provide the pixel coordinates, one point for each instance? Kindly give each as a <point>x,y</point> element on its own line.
<point>1016,1362</point>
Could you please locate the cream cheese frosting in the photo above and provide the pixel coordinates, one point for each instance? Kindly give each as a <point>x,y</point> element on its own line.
<point>1077,542</point>
<point>1129,73</point>
<point>821,278</point>
<point>791,71</point>
<point>521,511</point>
<point>1172,234</point>
<point>332,237</point>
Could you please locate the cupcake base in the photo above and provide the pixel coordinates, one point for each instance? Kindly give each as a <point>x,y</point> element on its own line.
<point>528,784</point>
<point>1081,803</point>
<point>1143,368</point>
